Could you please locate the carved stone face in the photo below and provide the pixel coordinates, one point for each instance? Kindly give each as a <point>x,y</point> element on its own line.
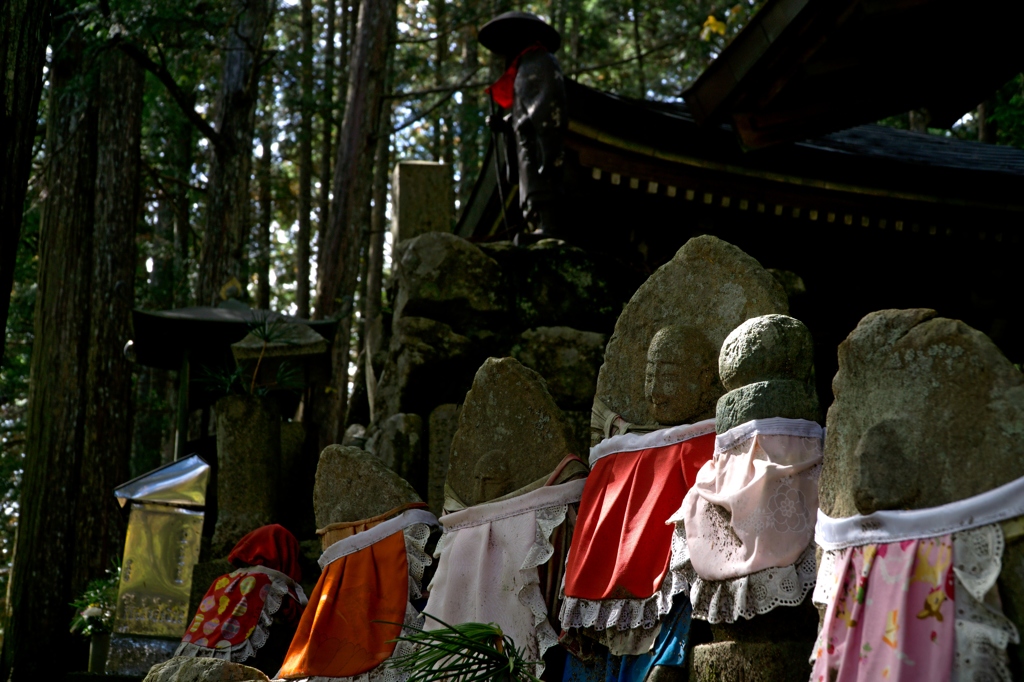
<point>492,476</point>
<point>882,451</point>
<point>681,375</point>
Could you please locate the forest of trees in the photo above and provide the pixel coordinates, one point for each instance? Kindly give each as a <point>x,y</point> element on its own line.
<point>156,151</point>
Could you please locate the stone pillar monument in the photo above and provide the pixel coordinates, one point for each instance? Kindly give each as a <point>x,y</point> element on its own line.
<point>248,468</point>
<point>423,199</point>
<point>510,434</point>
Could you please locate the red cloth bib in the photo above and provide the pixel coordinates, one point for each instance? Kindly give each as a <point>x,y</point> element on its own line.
<point>502,91</point>
<point>622,545</point>
<point>231,609</point>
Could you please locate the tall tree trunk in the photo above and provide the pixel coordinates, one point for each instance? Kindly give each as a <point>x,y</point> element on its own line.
<point>471,114</point>
<point>263,172</point>
<point>327,115</point>
<point>108,418</point>
<point>372,303</point>
<point>79,430</point>
<point>160,290</point>
<point>574,36</point>
<point>988,129</point>
<point>227,209</point>
<point>440,58</point>
<point>148,407</point>
<point>346,51</point>
<point>181,157</point>
<point>46,548</point>
<point>302,254</point>
<point>24,30</point>
<point>339,261</point>
<point>559,11</point>
<point>638,50</point>
<point>920,119</point>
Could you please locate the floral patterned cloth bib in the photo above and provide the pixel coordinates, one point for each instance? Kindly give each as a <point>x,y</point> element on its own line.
<point>893,614</point>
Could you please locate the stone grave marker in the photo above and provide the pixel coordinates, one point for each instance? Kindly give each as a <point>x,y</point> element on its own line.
<point>352,485</point>
<point>510,433</point>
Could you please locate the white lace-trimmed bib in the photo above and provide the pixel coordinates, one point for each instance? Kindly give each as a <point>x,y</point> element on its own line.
<point>743,536</point>
<point>488,560</point>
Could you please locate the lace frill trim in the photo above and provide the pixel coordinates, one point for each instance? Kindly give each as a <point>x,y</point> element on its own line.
<point>530,595</point>
<point>726,601</point>
<point>383,672</point>
<point>279,589</point>
<point>627,614</point>
<point>982,630</point>
<point>416,537</point>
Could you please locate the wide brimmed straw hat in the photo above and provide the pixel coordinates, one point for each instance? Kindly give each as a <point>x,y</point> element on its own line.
<point>512,31</point>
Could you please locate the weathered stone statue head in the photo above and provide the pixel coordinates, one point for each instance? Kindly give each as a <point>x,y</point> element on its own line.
<point>927,411</point>
<point>491,476</point>
<point>510,434</point>
<point>767,363</point>
<point>693,301</point>
<point>680,380</point>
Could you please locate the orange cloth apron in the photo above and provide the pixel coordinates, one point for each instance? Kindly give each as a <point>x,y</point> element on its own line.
<point>354,613</point>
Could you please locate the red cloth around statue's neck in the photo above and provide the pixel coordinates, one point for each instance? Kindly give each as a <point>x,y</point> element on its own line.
<point>502,91</point>
<point>270,546</point>
<point>621,546</point>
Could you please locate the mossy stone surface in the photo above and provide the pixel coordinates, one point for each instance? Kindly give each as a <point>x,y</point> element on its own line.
<point>710,285</point>
<point>510,434</point>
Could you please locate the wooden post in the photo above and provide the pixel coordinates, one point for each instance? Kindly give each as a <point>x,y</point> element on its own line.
<point>181,430</point>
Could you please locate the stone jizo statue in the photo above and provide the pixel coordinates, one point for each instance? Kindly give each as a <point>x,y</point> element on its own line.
<point>680,381</point>
<point>922,499</point>
<point>746,526</point>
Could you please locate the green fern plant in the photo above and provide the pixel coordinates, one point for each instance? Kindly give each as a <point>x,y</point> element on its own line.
<point>468,652</point>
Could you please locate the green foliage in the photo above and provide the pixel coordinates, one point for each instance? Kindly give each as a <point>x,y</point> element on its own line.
<point>469,652</point>
<point>1009,112</point>
<point>95,607</point>
<point>222,381</point>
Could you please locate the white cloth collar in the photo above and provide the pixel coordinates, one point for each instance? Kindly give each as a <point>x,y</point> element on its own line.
<point>360,541</point>
<point>631,442</point>
<point>775,426</point>
<point>488,512</point>
<point>992,506</point>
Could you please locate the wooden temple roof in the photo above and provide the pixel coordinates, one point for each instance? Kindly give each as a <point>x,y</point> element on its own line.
<point>868,175</point>
<point>801,68</point>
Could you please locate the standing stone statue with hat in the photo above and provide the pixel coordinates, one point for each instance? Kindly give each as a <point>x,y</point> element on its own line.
<point>533,89</point>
